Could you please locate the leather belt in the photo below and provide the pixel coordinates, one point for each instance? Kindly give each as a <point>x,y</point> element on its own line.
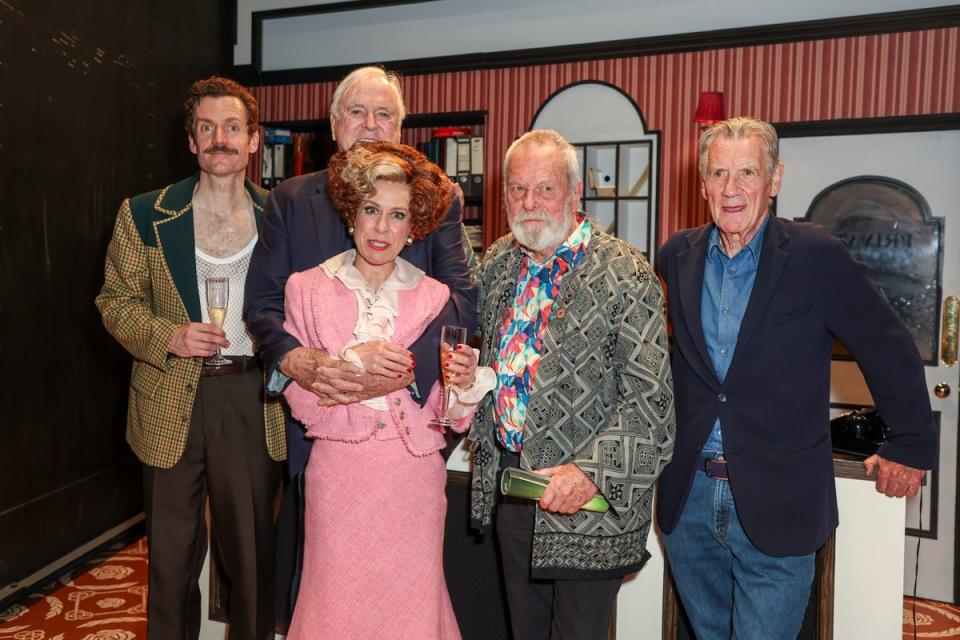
<point>509,459</point>
<point>238,364</point>
<point>715,467</point>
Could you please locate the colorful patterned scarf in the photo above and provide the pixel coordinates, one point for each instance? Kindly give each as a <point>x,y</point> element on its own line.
<point>522,330</point>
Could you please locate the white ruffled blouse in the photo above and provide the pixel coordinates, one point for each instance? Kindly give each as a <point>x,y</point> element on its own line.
<point>377,317</point>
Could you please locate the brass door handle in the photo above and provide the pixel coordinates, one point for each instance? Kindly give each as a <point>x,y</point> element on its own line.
<point>941,390</point>
<point>948,331</point>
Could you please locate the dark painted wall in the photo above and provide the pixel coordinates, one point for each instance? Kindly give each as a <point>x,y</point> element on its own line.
<point>90,113</point>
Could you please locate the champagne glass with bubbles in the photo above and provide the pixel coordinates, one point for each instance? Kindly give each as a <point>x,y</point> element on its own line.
<point>450,335</point>
<point>218,294</point>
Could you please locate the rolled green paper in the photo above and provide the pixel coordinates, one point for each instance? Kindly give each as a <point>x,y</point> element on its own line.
<point>526,484</point>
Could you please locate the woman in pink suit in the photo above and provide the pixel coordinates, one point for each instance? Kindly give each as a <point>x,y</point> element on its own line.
<point>375,501</point>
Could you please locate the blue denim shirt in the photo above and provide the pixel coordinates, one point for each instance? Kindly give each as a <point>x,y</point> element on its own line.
<point>727,284</point>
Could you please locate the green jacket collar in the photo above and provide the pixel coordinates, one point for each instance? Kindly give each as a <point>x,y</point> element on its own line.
<point>177,241</point>
<point>176,198</point>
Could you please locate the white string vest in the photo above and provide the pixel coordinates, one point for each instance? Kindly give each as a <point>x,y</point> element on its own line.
<point>235,269</point>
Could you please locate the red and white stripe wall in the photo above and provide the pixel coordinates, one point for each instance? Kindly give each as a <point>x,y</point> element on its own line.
<point>855,77</point>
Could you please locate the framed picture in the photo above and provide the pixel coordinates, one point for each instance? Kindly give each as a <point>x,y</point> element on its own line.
<point>869,191</point>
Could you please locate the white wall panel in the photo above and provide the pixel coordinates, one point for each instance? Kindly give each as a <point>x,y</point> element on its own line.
<point>450,27</point>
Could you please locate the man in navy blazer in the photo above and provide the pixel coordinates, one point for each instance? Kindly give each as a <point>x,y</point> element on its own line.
<point>301,229</point>
<point>755,302</point>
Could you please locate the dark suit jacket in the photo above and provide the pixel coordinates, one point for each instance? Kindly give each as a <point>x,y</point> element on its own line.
<point>301,229</point>
<point>774,403</point>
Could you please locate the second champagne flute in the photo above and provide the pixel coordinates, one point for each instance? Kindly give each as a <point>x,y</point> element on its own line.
<point>451,335</point>
<point>218,294</point>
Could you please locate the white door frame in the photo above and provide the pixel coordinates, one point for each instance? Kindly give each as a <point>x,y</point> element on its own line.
<point>924,152</point>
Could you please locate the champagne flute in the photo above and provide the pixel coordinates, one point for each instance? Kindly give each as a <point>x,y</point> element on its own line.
<point>218,294</point>
<point>450,335</point>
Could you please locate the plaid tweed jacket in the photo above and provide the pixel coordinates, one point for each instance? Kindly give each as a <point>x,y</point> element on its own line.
<point>602,399</point>
<point>149,289</point>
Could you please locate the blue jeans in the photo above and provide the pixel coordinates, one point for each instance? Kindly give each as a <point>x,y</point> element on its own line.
<point>729,588</point>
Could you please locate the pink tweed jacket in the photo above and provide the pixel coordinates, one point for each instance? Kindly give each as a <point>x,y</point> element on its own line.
<point>322,313</point>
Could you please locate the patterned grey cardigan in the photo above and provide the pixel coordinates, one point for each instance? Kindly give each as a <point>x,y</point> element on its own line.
<point>602,398</point>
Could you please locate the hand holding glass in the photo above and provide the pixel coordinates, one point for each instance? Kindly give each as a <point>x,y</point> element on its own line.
<point>218,294</point>
<point>450,335</point>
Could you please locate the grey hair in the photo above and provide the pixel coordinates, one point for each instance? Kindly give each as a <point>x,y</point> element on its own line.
<point>543,137</point>
<point>357,75</point>
<point>738,129</point>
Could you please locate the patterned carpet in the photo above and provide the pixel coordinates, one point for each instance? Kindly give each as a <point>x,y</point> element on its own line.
<point>105,599</point>
<point>934,619</point>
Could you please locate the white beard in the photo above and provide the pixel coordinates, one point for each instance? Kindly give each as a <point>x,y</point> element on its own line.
<point>539,240</point>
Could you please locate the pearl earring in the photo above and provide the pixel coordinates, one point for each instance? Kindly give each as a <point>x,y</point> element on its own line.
<point>409,240</point>
<point>350,230</point>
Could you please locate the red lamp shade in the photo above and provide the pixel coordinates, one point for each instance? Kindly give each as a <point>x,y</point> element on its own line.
<point>710,109</point>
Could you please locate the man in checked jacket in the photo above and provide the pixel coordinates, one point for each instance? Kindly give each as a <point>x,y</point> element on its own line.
<point>572,321</point>
<point>198,430</point>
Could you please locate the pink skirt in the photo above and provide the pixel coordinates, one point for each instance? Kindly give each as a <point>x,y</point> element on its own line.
<point>373,549</point>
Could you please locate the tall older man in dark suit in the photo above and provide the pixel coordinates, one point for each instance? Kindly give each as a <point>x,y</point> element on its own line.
<point>755,302</point>
<point>302,229</point>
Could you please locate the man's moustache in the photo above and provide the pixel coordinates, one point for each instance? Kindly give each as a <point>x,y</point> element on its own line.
<point>222,149</point>
<point>530,217</point>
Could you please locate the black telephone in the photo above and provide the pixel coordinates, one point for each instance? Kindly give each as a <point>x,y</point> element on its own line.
<point>858,433</point>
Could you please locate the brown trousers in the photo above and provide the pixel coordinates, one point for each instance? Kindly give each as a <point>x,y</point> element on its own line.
<point>226,460</point>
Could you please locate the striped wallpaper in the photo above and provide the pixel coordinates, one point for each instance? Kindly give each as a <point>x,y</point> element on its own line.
<point>858,77</point>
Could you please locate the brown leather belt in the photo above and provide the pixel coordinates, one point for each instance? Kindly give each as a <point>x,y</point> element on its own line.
<point>715,468</point>
<point>238,364</point>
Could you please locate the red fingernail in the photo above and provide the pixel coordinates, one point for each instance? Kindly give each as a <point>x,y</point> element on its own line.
<point>459,347</point>
<point>409,369</point>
